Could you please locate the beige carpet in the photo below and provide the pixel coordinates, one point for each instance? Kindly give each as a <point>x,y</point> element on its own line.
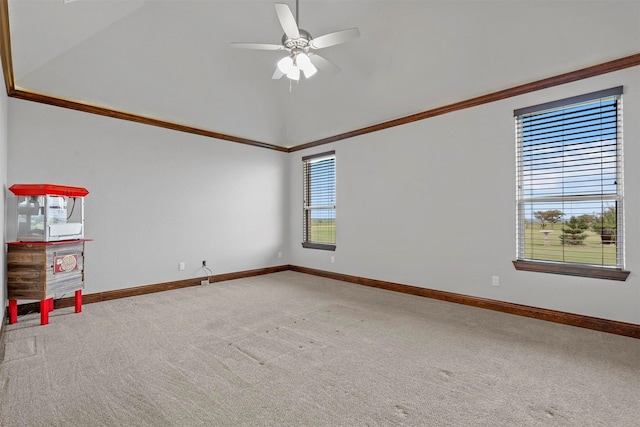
<point>289,349</point>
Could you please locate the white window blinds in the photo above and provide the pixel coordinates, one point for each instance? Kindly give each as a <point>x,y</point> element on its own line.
<point>569,189</point>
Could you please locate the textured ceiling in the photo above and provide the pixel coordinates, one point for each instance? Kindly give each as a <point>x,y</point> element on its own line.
<point>172,60</point>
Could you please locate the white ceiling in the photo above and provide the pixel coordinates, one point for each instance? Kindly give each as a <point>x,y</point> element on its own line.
<point>172,60</point>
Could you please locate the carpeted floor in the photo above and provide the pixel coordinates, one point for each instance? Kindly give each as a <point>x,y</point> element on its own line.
<point>289,349</point>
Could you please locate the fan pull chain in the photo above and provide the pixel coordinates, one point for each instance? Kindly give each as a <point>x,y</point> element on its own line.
<point>291,84</point>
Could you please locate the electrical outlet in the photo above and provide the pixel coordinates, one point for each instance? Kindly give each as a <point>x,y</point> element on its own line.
<point>181,266</point>
<point>204,282</point>
<point>495,280</point>
<point>333,259</point>
<point>279,254</point>
<point>204,263</point>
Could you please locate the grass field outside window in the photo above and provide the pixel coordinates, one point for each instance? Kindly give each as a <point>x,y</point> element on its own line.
<point>591,252</point>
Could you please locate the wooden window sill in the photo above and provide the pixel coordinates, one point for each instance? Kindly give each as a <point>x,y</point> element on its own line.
<point>322,246</point>
<point>572,270</point>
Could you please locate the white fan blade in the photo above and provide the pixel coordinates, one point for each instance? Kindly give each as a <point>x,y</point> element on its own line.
<point>333,39</point>
<point>259,46</point>
<point>287,21</point>
<point>323,63</point>
<point>277,74</point>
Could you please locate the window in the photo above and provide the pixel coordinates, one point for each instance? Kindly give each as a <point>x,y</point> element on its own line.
<point>569,189</point>
<point>319,201</point>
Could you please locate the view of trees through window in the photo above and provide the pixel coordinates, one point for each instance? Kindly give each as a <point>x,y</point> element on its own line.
<point>580,238</point>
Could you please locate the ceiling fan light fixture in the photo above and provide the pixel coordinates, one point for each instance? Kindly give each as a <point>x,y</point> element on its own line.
<point>304,63</point>
<point>286,65</point>
<point>294,74</point>
<point>299,44</point>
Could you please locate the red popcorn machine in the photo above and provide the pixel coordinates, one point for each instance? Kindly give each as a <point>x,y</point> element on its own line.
<point>47,258</point>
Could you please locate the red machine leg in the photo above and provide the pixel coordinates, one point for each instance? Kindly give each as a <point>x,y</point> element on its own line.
<point>13,311</point>
<point>78,300</point>
<point>44,312</point>
<point>50,304</point>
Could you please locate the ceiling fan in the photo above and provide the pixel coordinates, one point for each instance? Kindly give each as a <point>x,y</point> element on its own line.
<point>300,46</point>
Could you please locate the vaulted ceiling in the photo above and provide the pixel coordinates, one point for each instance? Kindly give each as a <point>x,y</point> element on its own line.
<point>171,60</point>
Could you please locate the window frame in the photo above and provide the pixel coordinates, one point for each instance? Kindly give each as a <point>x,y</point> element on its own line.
<point>612,272</point>
<point>306,195</point>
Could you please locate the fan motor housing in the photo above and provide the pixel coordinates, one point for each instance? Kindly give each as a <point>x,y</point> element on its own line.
<point>300,43</point>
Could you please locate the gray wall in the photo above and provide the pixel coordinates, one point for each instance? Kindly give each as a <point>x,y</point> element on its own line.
<point>157,197</point>
<point>432,204</point>
<point>3,185</point>
<point>428,204</point>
